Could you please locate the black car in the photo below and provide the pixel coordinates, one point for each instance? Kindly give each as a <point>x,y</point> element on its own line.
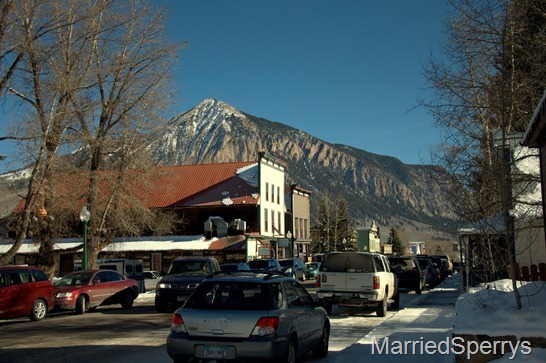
<point>183,276</point>
<point>265,264</point>
<point>427,265</point>
<point>409,273</point>
<point>442,266</point>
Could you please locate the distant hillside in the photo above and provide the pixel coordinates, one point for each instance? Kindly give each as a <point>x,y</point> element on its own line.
<point>376,187</point>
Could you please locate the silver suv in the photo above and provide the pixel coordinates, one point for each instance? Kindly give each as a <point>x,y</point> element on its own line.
<point>183,276</point>
<point>245,316</point>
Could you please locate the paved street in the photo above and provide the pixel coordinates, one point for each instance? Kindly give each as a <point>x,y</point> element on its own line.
<point>112,334</point>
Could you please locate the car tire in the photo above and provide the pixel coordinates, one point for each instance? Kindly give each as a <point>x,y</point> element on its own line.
<point>396,301</point>
<point>328,307</point>
<point>81,305</point>
<point>321,350</point>
<point>291,352</point>
<point>160,308</point>
<point>127,300</point>
<point>39,310</point>
<point>382,307</point>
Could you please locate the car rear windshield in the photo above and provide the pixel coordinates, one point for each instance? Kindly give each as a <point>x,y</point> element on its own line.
<point>286,263</point>
<point>189,267</point>
<point>404,263</point>
<point>257,264</point>
<point>232,295</point>
<point>347,262</point>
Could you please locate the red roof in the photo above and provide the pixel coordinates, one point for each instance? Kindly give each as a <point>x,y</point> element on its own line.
<point>176,183</point>
<point>167,186</point>
<point>232,191</point>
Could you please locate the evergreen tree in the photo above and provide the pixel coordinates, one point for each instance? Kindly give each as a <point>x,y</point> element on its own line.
<point>398,247</point>
<point>323,244</point>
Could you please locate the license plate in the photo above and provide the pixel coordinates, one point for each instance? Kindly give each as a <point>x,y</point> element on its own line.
<point>346,296</point>
<point>180,298</point>
<point>215,352</point>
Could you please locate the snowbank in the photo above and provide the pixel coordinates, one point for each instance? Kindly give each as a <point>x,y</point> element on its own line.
<point>490,309</point>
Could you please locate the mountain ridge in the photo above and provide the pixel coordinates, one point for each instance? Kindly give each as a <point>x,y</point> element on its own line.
<point>377,187</point>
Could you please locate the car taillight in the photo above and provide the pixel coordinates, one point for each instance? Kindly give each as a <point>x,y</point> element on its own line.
<point>376,282</point>
<point>317,281</point>
<point>266,326</point>
<point>177,324</point>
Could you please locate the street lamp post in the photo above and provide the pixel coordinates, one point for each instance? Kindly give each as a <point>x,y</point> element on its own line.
<point>289,236</point>
<point>84,217</point>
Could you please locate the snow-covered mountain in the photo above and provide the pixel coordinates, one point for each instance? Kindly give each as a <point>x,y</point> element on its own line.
<point>376,187</point>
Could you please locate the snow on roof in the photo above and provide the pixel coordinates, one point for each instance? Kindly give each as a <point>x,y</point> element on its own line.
<point>157,243</point>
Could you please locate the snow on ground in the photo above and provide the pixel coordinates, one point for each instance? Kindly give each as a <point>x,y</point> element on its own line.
<point>490,309</point>
<point>425,334</point>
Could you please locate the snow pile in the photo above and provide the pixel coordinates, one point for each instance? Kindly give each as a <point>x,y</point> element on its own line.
<point>490,309</point>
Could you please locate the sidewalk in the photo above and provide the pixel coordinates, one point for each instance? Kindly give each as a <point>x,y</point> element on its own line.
<point>417,333</point>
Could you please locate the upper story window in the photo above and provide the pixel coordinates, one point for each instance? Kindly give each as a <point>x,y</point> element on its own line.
<point>278,195</point>
<point>265,219</point>
<point>266,191</point>
<point>272,193</point>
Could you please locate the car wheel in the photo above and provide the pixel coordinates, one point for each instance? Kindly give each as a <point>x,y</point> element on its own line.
<point>291,352</point>
<point>128,300</point>
<point>396,301</point>
<point>39,310</point>
<point>321,349</point>
<point>328,307</point>
<point>81,305</point>
<point>160,308</point>
<point>382,307</point>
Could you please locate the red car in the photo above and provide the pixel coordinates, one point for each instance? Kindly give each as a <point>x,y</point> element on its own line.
<point>24,291</point>
<point>86,290</point>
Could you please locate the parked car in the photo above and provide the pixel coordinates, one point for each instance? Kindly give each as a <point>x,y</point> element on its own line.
<point>249,316</point>
<point>311,269</point>
<point>25,291</point>
<point>181,279</point>
<point>441,263</point>
<point>293,267</point>
<point>235,266</point>
<point>448,263</point>
<point>89,289</point>
<point>357,279</point>
<point>409,273</point>
<point>151,278</point>
<point>269,264</point>
<point>432,272</point>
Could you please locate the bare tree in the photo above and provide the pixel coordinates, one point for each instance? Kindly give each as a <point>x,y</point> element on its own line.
<point>485,89</point>
<point>96,88</point>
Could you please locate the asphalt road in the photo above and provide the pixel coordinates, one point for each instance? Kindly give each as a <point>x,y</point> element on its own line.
<point>113,334</point>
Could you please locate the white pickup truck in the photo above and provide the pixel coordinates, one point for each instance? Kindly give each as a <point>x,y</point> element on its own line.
<point>357,279</point>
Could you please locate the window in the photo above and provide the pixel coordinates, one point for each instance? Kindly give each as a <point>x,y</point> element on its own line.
<point>301,227</point>
<point>265,221</point>
<point>305,228</point>
<point>296,235</point>
<point>272,193</point>
<point>273,221</point>
<point>266,191</point>
<point>279,219</point>
<point>278,195</point>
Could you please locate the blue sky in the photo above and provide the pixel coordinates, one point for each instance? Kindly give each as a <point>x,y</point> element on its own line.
<point>345,71</point>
